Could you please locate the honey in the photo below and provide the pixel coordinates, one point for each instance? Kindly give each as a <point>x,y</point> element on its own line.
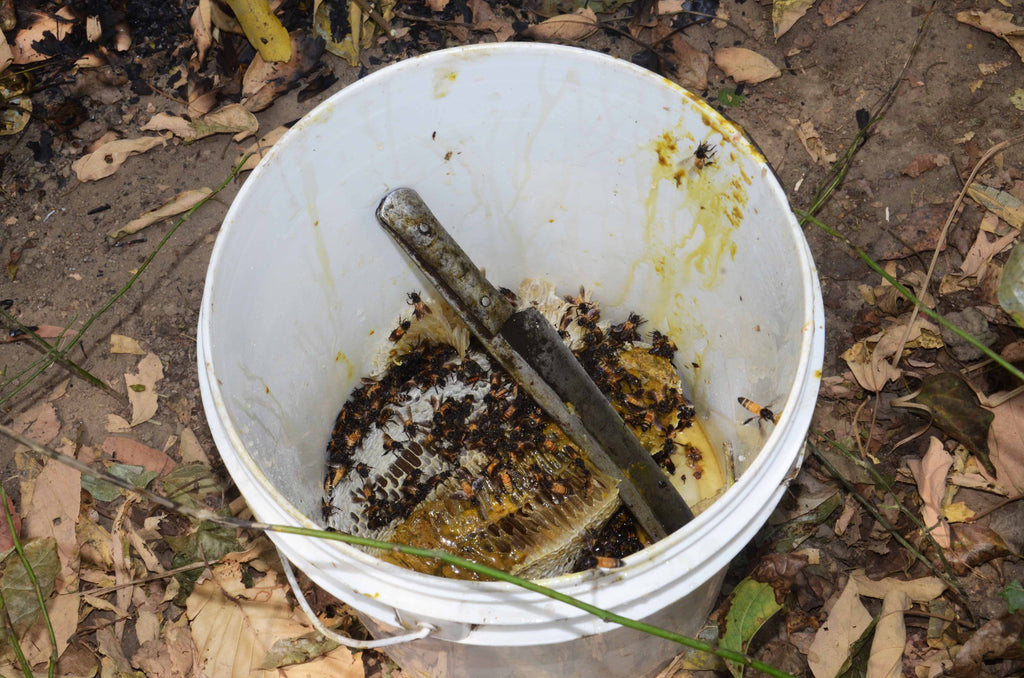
<point>443,450</point>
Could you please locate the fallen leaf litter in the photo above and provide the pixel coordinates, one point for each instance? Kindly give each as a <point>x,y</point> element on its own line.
<point>441,449</point>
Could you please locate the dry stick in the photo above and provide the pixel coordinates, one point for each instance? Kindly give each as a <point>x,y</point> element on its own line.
<point>49,349</point>
<point>131,281</point>
<point>378,19</point>
<point>1009,500</point>
<point>231,521</point>
<point>945,229</point>
<point>946,577</point>
<point>909,296</point>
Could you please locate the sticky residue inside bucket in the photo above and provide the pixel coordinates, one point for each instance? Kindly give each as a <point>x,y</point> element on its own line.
<point>442,450</point>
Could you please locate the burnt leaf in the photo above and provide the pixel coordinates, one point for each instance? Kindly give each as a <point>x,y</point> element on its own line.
<point>956,411</point>
<point>974,545</point>
<point>996,639</point>
<point>752,604</point>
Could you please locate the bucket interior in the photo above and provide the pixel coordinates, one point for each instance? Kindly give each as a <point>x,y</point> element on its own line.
<point>541,161</point>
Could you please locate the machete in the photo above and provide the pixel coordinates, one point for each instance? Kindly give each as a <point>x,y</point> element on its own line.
<point>529,348</point>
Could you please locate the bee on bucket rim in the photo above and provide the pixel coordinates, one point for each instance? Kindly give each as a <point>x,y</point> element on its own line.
<point>760,412</point>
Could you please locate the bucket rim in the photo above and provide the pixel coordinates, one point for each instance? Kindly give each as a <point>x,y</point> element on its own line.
<point>794,417</point>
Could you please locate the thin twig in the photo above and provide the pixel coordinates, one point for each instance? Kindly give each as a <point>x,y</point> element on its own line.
<point>945,230</point>
<point>377,17</point>
<point>52,664</point>
<point>12,639</point>
<point>49,349</point>
<point>909,296</point>
<point>490,572</point>
<point>51,358</point>
<point>1009,500</point>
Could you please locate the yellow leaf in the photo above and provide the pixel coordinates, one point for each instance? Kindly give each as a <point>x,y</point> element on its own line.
<point>263,29</point>
<point>957,513</point>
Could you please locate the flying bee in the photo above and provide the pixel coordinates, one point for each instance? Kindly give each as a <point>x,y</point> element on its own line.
<point>761,414</point>
<point>419,307</point>
<point>400,331</point>
<point>704,155</point>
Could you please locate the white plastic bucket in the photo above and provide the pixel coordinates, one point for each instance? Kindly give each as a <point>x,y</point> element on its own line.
<point>542,161</point>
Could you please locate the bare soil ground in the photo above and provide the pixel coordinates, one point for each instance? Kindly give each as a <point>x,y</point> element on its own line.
<point>950,96</point>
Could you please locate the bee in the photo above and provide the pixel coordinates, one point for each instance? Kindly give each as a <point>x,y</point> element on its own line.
<point>704,155</point>
<point>604,562</point>
<point>363,470</point>
<point>559,488</point>
<point>506,480</point>
<point>761,414</point>
<point>419,307</point>
<point>662,346</point>
<point>627,331</point>
<point>400,331</point>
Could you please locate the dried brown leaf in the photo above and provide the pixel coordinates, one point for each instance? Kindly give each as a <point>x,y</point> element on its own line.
<point>886,658</point>
<point>117,424</point>
<point>691,64</point>
<point>129,451</point>
<point>744,65</point>
<point>983,250</point>
<point>437,5</point>
<point>59,24</point>
<point>917,232</point>
<point>264,81</point>
<point>954,408</point>
<point>53,512</point>
<point>109,157</point>
<point>996,22</point>
<point>834,11</point>
<point>996,639</point>
<point>120,343</point>
<point>812,142</point>
<point>974,545</point>
<point>925,162</point>
<point>234,626</point>
<point>930,475</point>
<point>142,388</point>
<point>918,590</point>
<point>39,423</point>
<point>6,538</point>
<point>1006,443</point>
<point>179,204</point>
<point>869,358</point>
<point>172,655</point>
<point>484,19</point>
<point>847,621</point>
<point>190,450</point>
<point>6,55</point>
<point>785,13</point>
<point>230,119</point>
<point>579,25</point>
<point>202,29</point>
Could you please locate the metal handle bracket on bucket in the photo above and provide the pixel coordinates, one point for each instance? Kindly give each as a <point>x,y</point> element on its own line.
<point>422,631</point>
